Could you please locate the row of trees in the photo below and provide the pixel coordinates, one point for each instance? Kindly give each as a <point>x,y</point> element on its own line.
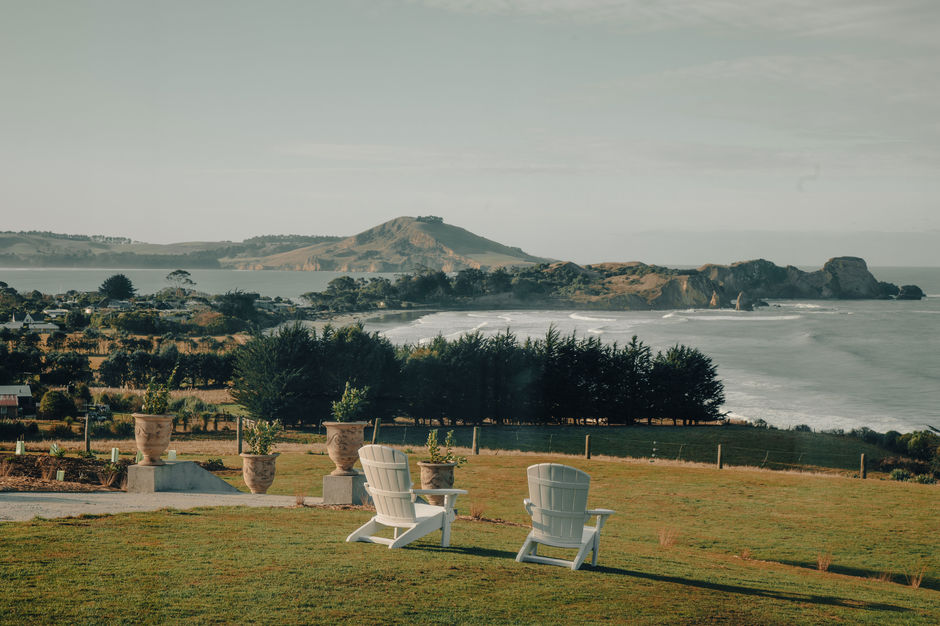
<point>535,282</point>
<point>293,375</point>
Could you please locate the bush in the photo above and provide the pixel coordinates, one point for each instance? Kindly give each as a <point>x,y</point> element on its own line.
<point>61,431</point>
<point>56,405</point>
<point>925,479</point>
<point>900,474</point>
<point>13,431</point>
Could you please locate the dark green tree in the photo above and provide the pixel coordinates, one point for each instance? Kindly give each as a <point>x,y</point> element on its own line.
<point>56,405</point>
<point>272,375</point>
<point>117,287</point>
<point>685,386</point>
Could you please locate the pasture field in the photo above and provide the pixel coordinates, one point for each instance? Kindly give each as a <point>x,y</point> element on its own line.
<point>689,544</point>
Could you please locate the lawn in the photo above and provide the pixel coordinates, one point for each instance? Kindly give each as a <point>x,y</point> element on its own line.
<point>745,551</point>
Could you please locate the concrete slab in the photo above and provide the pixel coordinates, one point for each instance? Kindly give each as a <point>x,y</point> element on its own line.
<point>175,476</point>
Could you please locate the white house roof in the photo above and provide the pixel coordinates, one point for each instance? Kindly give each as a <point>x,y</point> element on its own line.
<point>15,390</point>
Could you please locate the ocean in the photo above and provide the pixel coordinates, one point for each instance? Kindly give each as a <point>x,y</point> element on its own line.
<point>827,364</point>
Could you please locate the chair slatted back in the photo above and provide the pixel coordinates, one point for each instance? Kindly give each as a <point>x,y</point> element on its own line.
<point>389,481</point>
<point>559,501</point>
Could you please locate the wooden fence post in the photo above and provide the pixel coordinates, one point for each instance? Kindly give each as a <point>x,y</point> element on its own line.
<point>863,471</point>
<point>87,434</point>
<point>719,457</point>
<point>475,447</point>
<point>238,433</point>
<point>587,446</point>
<point>375,429</point>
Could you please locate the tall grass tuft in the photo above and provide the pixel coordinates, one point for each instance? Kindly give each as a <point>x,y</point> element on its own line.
<point>746,554</point>
<point>6,467</point>
<point>667,536</point>
<point>823,561</point>
<point>916,576</point>
<point>476,510</point>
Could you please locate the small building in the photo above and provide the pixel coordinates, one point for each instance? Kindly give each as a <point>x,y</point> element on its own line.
<point>16,401</point>
<point>55,313</point>
<point>28,323</point>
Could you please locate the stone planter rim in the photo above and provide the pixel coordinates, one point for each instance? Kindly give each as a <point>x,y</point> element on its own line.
<point>152,416</point>
<point>248,455</point>
<point>344,423</point>
<point>429,464</point>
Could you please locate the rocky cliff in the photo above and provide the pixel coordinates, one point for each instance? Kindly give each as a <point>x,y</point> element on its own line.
<point>739,285</point>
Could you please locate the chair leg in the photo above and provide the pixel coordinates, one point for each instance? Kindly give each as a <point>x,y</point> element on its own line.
<point>582,554</point>
<point>416,532</point>
<point>364,532</point>
<point>524,551</point>
<point>597,545</point>
<point>445,533</point>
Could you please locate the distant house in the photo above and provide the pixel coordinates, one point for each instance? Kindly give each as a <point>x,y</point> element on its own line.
<point>120,305</point>
<point>55,313</point>
<point>28,323</point>
<point>16,401</point>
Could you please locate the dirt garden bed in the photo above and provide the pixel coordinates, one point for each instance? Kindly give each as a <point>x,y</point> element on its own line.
<point>37,472</point>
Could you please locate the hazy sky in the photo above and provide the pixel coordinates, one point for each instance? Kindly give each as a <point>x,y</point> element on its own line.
<point>539,123</point>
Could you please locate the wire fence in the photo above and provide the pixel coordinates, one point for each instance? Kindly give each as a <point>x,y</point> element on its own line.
<point>775,449</point>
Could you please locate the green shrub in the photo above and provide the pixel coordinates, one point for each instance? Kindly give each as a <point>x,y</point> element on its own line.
<point>60,431</point>
<point>56,405</point>
<point>925,479</point>
<point>351,407</point>
<point>900,474</point>
<point>260,436</point>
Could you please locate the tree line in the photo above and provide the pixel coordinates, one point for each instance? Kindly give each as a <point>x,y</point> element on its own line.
<point>294,375</point>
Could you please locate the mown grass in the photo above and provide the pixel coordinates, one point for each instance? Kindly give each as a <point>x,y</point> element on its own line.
<point>292,565</point>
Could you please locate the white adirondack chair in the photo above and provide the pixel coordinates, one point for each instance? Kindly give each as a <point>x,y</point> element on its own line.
<point>388,481</point>
<point>557,503</point>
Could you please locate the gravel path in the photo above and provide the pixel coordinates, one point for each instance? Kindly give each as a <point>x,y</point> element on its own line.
<point>21,506</point>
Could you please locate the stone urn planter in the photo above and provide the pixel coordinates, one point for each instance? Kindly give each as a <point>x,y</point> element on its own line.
<point>343,440</point>
<point>258,471</point>
<point>436,476</point>
<point>152,433</point>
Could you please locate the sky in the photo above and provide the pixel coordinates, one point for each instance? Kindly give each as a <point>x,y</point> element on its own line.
<point>566,127</point>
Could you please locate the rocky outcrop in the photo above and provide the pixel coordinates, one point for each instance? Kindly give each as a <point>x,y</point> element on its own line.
<point>910,292</point>
<point>743,302</point>
<point>742,285</point>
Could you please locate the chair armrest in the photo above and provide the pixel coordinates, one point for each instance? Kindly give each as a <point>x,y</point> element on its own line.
<point>450,495</point>
<point>527,504</point>
<point>602,515</point>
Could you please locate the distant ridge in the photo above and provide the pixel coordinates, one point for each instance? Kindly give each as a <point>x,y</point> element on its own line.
<point>403,244</point>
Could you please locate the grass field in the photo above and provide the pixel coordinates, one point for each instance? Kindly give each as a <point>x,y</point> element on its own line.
<point>745,551</point>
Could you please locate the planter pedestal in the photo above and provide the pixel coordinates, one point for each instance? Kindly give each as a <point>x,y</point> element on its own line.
<point>345,489</point>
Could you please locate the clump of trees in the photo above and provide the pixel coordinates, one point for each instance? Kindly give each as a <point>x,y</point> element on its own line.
<point>541,283</point>
<point>294,375</point>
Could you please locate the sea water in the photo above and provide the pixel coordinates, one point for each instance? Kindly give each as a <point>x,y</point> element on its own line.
<point>827,364</point>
